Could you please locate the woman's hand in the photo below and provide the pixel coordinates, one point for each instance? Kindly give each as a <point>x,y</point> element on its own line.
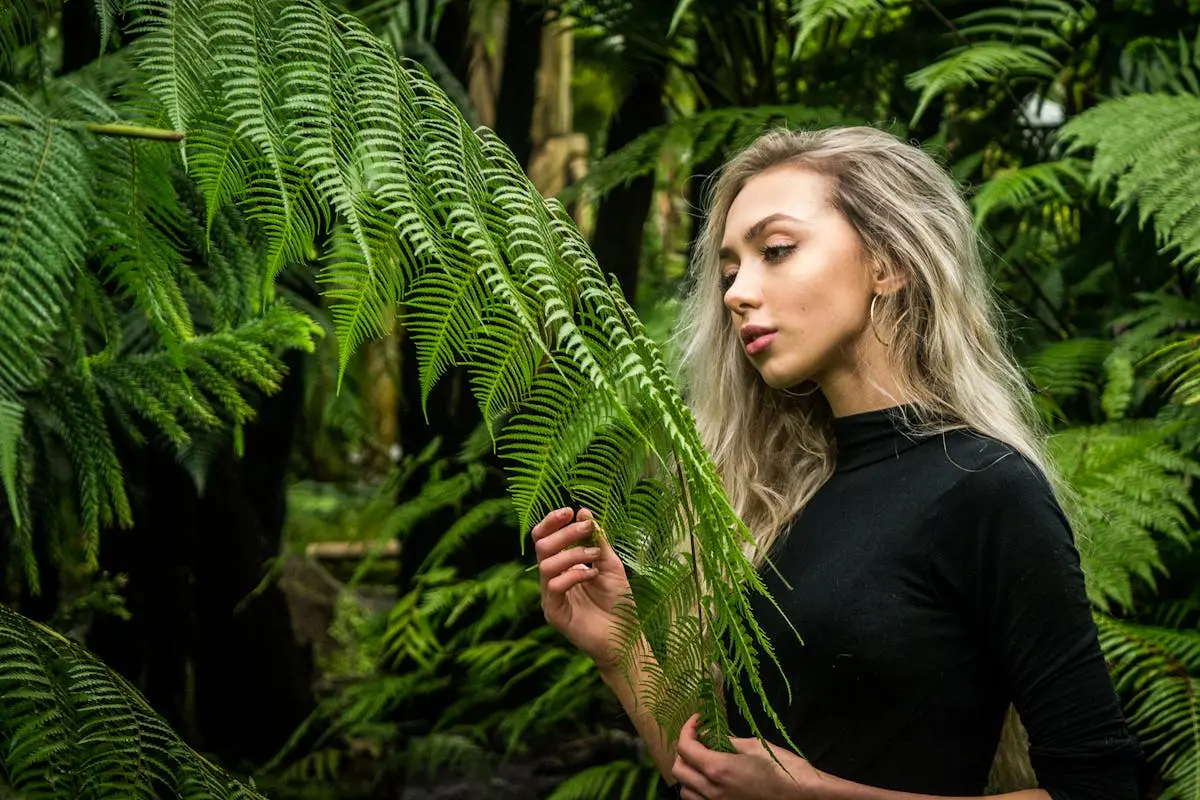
<point>579,600</point>
<point>748,774</point>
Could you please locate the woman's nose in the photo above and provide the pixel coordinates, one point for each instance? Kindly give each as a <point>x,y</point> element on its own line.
<point>745,293</point>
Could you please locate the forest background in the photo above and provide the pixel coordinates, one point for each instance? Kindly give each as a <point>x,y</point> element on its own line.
<point>237,500</point>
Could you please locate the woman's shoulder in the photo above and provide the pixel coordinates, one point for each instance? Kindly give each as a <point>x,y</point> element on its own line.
<point>982,471</point>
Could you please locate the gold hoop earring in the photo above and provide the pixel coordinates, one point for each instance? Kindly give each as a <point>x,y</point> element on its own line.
<point>874,329</point>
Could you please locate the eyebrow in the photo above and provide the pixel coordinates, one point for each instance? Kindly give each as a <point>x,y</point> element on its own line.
<point>727,254</point>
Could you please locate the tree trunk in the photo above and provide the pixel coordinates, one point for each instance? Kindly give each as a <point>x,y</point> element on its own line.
<point>621,217</point>
<point>252,679</point>
<point>191,559</point>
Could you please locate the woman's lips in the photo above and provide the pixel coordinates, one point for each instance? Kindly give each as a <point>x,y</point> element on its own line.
<point>759,343</point>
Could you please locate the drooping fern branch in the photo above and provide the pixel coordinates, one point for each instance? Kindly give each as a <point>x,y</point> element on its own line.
<point>437,221</point>
<point>71,727</point>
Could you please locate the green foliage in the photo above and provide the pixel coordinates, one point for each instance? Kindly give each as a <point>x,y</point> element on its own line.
<point>811,15</point>
<point>1129,489</point>
<point>119,310</point>
<point>1028,187</point>
<point>694,139</point>
<point>1142,147</point>
<point>619,780</point>
<point>72,729</point>
<point>1156,668</point>
<point>1000,44</point>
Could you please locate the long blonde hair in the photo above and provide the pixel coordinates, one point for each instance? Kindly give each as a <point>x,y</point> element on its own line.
<point>775,449</point>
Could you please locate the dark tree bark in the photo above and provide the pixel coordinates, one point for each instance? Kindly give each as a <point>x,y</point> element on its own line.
<point>518,83</point>
<point>191,559</point>
<point>621,218</point>
<point>452,42</point>
<point>80,35</point>
<point>252,678</point>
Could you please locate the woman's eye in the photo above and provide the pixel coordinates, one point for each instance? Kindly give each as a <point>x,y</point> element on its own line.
<point>777,252</point>
<point>727,282</point>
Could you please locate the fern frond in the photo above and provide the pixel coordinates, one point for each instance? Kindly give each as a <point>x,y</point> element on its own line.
<point>811,15</point>
<point>1155,670</point>
<point>1062,370</point>
<point>1005,42</point>
<point>432,215</point>
<point>1028,187</point>
<point>1128,488</point>
<point>16,27</point>
<point>172,48</point>
<point>617,780</point>
<point>693,140</point>
<point>70,727</point>
<point>45,194</point>
<point>1144,147</point>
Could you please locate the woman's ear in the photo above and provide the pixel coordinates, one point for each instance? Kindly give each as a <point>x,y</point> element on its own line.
<point>886,280</point>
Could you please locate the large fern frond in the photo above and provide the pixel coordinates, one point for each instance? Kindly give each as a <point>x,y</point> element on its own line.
<point>46,198</point>
<point>1144,146</point>
<point>71,727</point>
<point>1128,490</point>
<point>1156,669</point>
<point>811,15</point>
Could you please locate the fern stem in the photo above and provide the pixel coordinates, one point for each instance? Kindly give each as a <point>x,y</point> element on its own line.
<point>119,129</point>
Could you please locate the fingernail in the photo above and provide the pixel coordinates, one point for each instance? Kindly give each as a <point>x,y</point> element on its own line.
<point>591,552</point>
<point>588,526</point>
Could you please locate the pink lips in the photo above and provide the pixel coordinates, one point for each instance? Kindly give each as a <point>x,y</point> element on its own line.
<point>759,343</point>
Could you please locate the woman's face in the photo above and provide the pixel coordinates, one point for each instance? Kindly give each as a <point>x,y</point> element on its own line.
<point>795,281</point>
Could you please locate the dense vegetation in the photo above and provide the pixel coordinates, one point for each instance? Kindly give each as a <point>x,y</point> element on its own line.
<point>263,283</point>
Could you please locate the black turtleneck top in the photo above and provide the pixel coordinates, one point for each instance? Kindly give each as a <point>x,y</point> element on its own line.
<point>935,581</point>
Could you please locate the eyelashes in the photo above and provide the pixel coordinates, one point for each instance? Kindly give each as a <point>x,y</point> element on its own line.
<point>772,254</point>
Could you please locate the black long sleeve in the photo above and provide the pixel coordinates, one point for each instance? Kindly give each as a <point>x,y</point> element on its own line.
<point>934,581</point>
<point>1005,554</point>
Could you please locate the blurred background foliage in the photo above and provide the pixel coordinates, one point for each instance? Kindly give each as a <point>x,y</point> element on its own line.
<point>324,588</point>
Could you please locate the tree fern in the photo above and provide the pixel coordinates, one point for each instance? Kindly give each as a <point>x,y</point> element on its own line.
<point>1144,149</point>
<point>1003,43</point>
<point>72,728</point>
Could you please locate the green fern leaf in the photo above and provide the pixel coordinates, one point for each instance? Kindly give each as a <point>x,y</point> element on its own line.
<point>1128,489</point>
<point>1005,42</point>
<point>71,728</point>
<point>1028,188</point>
<point>811,15</point>
<point>1155,670</point>
<point>45,194</point>
<point>1144,146</point>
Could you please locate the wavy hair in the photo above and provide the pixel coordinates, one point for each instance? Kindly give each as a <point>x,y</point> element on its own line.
<point>774,448</point>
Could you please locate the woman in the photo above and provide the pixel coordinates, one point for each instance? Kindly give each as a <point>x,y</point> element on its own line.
<point>847,375</point>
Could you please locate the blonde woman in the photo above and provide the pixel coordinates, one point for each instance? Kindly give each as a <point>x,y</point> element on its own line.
<point>846,372</point>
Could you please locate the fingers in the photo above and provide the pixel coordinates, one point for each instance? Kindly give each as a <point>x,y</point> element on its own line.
<point>552,522</point>
<point>695,785</point>
<point>551,566</point>
<point>555,540</point>
<point>571,577</point>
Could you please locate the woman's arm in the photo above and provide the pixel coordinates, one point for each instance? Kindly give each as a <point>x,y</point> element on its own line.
<point>660,746</point>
